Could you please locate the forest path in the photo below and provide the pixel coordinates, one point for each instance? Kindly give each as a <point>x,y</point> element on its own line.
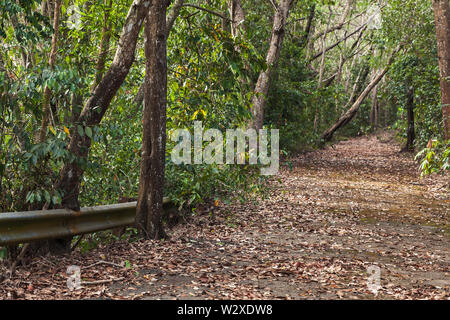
<point>338,211</point>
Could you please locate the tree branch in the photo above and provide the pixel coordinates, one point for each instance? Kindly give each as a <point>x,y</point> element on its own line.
<point>220,15</point>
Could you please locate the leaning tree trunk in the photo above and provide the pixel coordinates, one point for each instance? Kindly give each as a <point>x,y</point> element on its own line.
<point>98,103</point>
<point>273,54</point>
<point>92,114</point>
<point>348,116</point>
<point>151,183</point>
<point>442,19</point>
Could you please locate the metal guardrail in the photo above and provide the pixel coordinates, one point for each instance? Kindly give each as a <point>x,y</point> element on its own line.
<point>23,227</point>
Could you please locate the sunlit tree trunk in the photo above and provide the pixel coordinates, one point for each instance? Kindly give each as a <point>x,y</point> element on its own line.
<point>237,17</point>
<point>173,14</point>
<point>273,54</point>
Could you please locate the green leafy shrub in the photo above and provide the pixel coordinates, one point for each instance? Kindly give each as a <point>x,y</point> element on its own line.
<point>434,158</point>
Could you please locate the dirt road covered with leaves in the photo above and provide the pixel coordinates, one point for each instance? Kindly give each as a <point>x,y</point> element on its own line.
<point>339,211</point>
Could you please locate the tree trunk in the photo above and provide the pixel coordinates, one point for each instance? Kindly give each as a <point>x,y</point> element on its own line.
<point>237,17</point>
<point>410,116</point>
<point>364,74</point>
<point>308,26</point>
<point>273,54</point>
<point>170,21</point>
<point>151,182</point>
<point>173,14</point>
<point>321,71</point>
<point>374,110</point>
<point>442,20</point>
<point>98,103</point>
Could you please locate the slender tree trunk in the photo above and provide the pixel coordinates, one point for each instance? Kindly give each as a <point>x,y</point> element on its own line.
<point>442,20</point>
<point>364,74</point>
<point>374,110</point>
<point>273,54</point>
<point>151,182</point>
<point>173,14</point>
<point>321,71</point>
<point>308,26</point>
<point>104,45</point>
<point>50,9</point>
<point>51,62</point>
<point>237,17</point>
<point>411,135</point>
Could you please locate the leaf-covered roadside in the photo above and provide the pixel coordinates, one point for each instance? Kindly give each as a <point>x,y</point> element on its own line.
<point>339,210</point>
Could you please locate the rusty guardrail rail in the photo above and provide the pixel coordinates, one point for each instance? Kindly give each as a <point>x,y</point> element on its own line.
<point>22,227</point>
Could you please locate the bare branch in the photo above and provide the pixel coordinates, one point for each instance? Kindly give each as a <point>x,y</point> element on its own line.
<point>207,10</point>
<point>364,26</point>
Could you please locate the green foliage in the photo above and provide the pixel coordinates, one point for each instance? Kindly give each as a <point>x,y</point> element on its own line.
<point>3,253</point>
<point>211,78</point>
<point>36,25</point>
<point>434,159</point>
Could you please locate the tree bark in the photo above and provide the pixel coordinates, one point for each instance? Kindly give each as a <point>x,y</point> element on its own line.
<point>321,71</point>
<point>442,20</point>
<point>173,14</point>
<point>364,74</point>
<point>170,21</point>
<point>151,182</point>
<point>273,54</point>
<point>98,103</point>
<point>410,117</point>
<point>308,27</point>
<point>374,110</point>
<point>237,17</point>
